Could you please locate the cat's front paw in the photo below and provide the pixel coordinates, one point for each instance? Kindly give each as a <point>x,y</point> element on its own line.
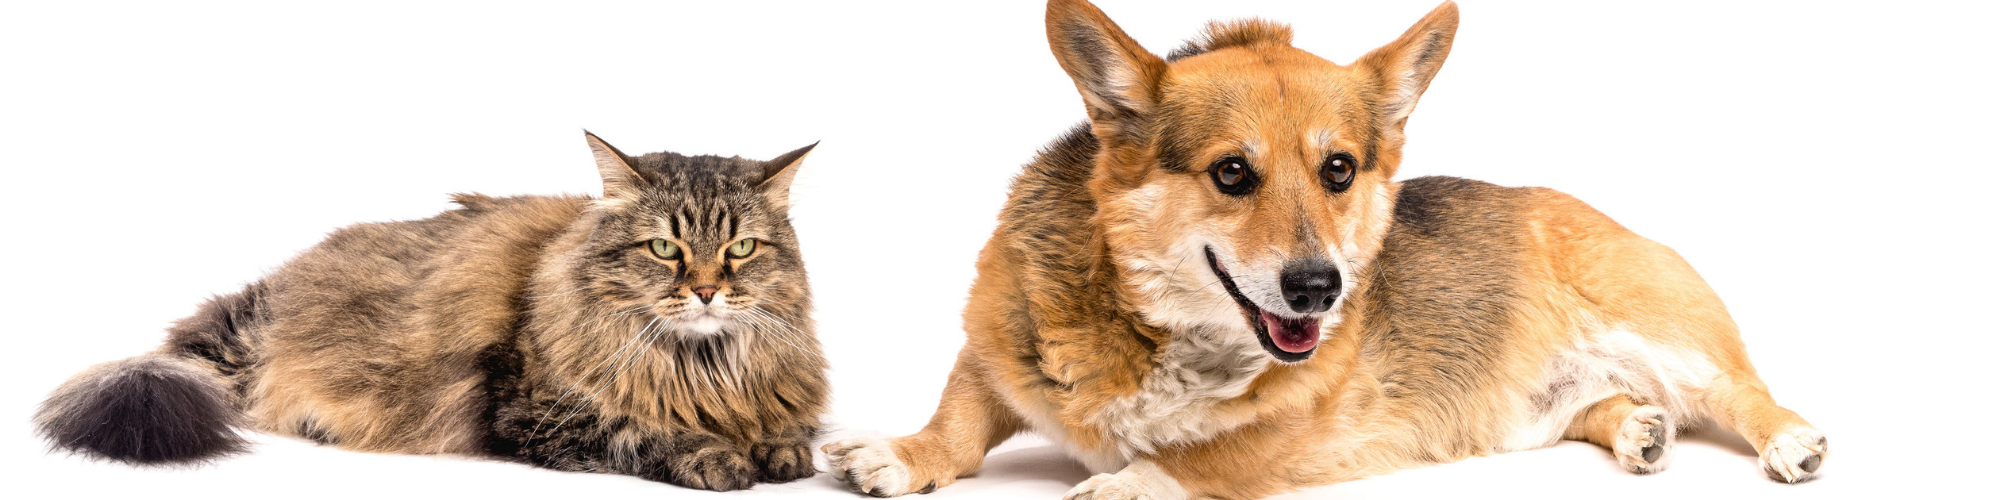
<point>783,461</point>
<point>716,468</point>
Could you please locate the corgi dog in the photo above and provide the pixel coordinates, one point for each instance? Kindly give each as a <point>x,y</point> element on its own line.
<point>1216,289</point>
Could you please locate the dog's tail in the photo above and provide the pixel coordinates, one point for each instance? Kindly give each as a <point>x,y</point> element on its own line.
<point>175,405</point>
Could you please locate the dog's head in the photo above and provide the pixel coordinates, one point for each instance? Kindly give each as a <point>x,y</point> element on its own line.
<point>1243,182</point>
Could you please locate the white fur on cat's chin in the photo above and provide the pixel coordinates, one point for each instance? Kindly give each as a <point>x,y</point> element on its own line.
<point>704,319</point>
<point>705,324</point>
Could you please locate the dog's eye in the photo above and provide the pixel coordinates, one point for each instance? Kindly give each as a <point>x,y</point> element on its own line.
<point>1337,172</point>
<point>1232,175</point>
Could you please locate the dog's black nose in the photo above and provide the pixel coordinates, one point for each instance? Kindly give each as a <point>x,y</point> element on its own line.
<point>1309,286</point>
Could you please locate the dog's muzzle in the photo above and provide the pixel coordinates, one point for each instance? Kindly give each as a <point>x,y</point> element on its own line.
<point>1286,338</point>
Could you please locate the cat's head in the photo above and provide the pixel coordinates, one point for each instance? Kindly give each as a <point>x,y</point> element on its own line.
<point>702,242</point>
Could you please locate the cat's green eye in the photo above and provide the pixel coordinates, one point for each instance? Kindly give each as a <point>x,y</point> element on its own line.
<point>665,249</point>
<point>742,248</point>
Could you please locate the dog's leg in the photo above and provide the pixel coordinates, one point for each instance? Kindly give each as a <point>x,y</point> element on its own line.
<point>1788,449</point>
<point>1644,283</point>
<point>1272,456</point>
<point>970,420</point>
<point>1642,437</point>
<point>1141,479</point>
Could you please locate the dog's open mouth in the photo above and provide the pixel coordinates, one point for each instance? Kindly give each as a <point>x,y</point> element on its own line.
<point>1288,339</point>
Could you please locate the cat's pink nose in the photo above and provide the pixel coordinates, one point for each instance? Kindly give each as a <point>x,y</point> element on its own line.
<point>707,293</point>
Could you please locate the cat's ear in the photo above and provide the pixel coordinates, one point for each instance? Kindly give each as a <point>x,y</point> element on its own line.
<point>620,180</point>
<point>777,183</point>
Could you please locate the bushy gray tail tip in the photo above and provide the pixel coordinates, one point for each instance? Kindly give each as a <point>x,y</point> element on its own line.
<point>148,410</point>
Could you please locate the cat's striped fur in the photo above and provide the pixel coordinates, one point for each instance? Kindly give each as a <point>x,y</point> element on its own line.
<point>537,328</point>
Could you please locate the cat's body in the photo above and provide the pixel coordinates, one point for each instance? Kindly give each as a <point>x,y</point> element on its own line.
<point>529,328</point>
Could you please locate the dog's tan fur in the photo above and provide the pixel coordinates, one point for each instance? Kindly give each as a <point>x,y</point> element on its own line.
<point>1475,319</point>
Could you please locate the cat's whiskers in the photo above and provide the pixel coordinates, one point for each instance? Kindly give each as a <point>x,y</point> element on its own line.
<point>620,367</point>
<point>762,324</point>
<point>796,337</point>
<point>573,385</point>
<point>788,334</point>
<point>758,323</point>
<point>651,332</point>
<point>715,368</point>
<point>780,322</point>
<point>783,330</point>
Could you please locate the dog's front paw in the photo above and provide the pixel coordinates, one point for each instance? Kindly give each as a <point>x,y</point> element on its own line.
<point>869,466</point>
<point>1141,480</point>
<point>714,468</point>
<point>1794,455</point>
<point>783,461</point>
<point>1645,440</point>
<point>1107,487</point>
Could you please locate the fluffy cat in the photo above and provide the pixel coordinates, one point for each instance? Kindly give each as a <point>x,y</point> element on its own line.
<point>660,331</point>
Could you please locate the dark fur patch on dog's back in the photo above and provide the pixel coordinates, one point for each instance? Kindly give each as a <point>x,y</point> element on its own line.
<point>1449,277</point>
<point>1047,204</point>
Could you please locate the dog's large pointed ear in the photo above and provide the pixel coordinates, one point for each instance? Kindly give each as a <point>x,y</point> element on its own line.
<point>778,173</point>
<point>620,180</point>
<point>1406,65</point>
<point>1116,76</point>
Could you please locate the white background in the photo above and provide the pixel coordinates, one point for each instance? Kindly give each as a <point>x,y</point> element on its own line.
<point>1826,167</point>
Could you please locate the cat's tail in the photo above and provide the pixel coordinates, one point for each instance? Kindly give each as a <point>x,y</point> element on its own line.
<point>150,409</point>
<point>174,405</point>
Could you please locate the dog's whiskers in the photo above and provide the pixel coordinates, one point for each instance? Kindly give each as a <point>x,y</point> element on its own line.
<point>1162,293</point>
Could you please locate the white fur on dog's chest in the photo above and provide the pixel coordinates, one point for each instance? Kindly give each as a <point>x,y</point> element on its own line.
<point>1176,402</point>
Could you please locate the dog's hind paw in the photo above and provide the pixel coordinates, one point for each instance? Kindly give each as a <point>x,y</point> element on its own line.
<point>1794,455</point>
<point>869,466</point>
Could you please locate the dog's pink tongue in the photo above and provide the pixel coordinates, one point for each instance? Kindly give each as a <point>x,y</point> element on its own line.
<point>1292,335</point>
